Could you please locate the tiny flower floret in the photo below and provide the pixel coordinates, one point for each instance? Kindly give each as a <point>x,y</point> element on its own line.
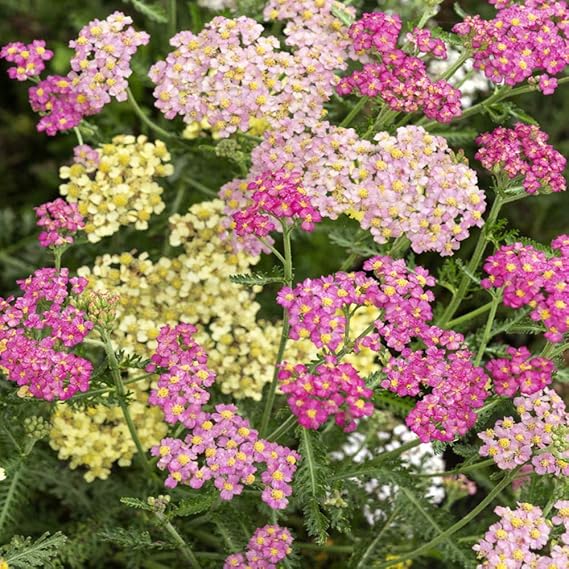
<point>59,221</point>
<point>29,60</point>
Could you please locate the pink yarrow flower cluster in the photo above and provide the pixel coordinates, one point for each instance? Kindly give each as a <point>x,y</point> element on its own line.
<point>531,278</point>
<point>59,221</point>
<point>401,80</point>
<point>330,389</point>
<point>268,546</point>
<point>37,331</point>
<point>181,390</point>
<point>276,195</point>
<point>515,540</point>
<point>99,71</point>
<point>523,153</point>
<point>230,73</point>
<point>410,184</point>
<point>86,155</point>
<point>521,40</point>
<point>29,59</point>
<point>223,447</point>
<point>520,372</point>
<point>541,436</point>
<point>425,43</point>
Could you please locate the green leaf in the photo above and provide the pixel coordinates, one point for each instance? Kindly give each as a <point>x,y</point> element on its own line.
<point>135,503</point>
<point>23,553</point>
<point>312,482</point>
<point>12,494</point>
<point>199,502</point>
<point>258,278</point>
<point>154,12</point>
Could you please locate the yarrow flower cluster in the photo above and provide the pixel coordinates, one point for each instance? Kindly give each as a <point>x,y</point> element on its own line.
<point>521,40</point>
<point>520,372</point>
<point>59,221</point>
<point>523,152</point>
<point>100,68</point>
<point>330,389</point>
<point>275,194</point>
<point>410,184</point>
<point>101,63</point>
<point>117,187</point>
<point>320,309</point>
<point>29,59</point>
<point>95,438</point>
<point>268,546</point>
<point>224,448</point>
<point>515,540</point>
<point>400,79</point>
<point>530,278</point>
<point>229,74</point>
<point>37,331</point>
<point>541,435</point>
<point>180,391</point>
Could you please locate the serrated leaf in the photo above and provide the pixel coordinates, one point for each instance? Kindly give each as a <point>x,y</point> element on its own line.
<point>154,12</point>
<point>135,503</point>
<point>257,278</point>
<point>23,553</point>
<point>199,502</point>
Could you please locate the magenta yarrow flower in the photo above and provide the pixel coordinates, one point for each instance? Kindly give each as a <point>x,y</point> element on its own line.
<point>523,152</point>
<point>275,195</point>
<point>541,436</point>
<point>59,221</point>
<point>222,447</point>
<point>400,79</point>
<point>318,310</point>
<point>268,546</point>
<point>29,59</point>
<point>520,372</point>
<point>522,39</point>
<point>515,541</point>
<point>37,332</point>
<point>330,389</point>
<point>531,278</point>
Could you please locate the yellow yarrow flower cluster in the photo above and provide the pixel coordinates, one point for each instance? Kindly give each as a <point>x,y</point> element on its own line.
<point>119,188</point>
<point>97,437</point>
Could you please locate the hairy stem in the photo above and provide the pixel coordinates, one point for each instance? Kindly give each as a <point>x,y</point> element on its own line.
<point>179,540</point>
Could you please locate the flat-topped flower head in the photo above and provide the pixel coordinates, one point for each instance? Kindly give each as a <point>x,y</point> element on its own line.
<point>268,546</point>
<point>59,221</point>
<point>520,372</point>
<point>530,277</point>
<point>29,60</point>
<point>38,330</point>
<point>522,40</point>
<point>277,195</point>
<point>522,153</point>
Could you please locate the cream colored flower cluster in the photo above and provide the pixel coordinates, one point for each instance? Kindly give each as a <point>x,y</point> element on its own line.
<point>97,437</point>
<point>118,187</point>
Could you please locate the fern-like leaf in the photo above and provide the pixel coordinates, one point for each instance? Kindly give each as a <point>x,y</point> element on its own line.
<point>135,503</point>
<point>23,553</point>
<point>12,494</point>
<point>312,481</point>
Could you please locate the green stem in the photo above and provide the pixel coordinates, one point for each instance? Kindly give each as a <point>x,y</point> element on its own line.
<point>460,470</point>
<point>469,315</point>
<point>78,135</point>
<point>121,392</point>
<point>182,545</point>
<point>458,296</point>
<point>145,119</point>
<point>455,66</point>
<point>371,547</point>
<point>354,112</point>
<point>287,265</point>
<point>282,429</point>
<point>200,187</point>
<point>325,547</point>
<point>372,465</point>
<point>57,253</point>
<point>443,536</point>
<point>273,250</point>
<point>488,329</point>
